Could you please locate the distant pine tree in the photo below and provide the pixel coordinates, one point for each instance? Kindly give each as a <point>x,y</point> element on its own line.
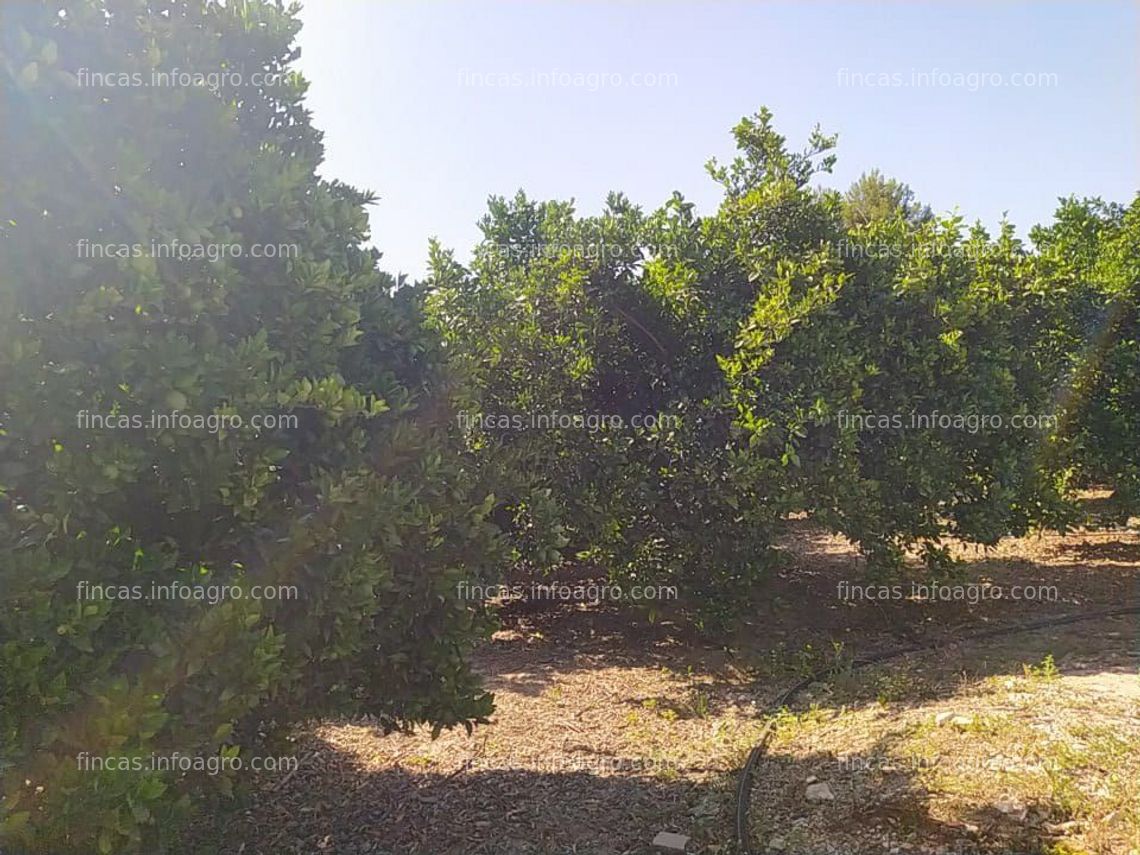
<point>875,197</point>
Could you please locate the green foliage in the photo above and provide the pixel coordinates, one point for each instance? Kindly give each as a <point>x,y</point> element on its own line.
<point>1089,265</point>
<point>874,197</point>
<point>800,337</point>
<point>1047,670</point>
<point>600,317</point>
<point>366,505</point>
<point>856,333</point>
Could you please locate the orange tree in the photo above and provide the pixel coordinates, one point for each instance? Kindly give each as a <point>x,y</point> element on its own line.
<point>884,359</point>
<point>590,357</point>
<point>1088,273</point>
<point>314,452</point>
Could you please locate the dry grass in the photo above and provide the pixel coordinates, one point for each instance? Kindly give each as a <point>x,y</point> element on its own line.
<point>929,757</point>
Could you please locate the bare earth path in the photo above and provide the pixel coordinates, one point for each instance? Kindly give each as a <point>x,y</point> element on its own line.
<point>609,729</point>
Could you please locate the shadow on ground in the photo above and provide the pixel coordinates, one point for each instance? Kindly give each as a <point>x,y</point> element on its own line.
<point>610,728</point>
<point>884,810</point>
<point>349,810</point>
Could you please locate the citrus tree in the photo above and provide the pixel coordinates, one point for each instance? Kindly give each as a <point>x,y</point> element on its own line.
<point>599,319</point>
<point>882,359</point>
<point>168,254</point>
<point>1088,271</point>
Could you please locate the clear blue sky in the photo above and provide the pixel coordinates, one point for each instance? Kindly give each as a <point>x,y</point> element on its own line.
<point>401,89</point>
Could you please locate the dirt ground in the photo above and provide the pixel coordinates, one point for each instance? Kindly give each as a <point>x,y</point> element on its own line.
<point>609,729</point>
<point>1022,745</point>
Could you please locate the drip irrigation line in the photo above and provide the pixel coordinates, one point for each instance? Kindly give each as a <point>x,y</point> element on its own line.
<point>744,788</point>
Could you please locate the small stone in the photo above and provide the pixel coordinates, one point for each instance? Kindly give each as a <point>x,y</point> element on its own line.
<point>707,806</point>
<point>942,718</point>
<point>777,844</point>
<point>819,793</point>
<point>811,779</point>
<point>667,841</point>
<point>1012,808</point>
<point>962,721</point>
<point>1063,827</point>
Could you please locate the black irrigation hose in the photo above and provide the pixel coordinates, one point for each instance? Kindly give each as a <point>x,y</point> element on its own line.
<point>743,787</point>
